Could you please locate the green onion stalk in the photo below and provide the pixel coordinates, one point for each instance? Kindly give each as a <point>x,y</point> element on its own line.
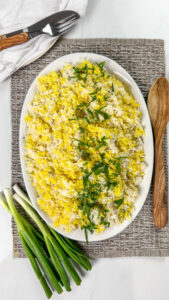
<point>50,253</point>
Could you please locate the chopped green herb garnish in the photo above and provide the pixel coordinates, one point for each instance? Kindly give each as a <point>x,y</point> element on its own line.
<point>90,112</point>
<point>85,178</point>
<point>76,70</point>
<point>81,143</point>
<point>101,64</point>
<point>112,88</point>
<point>82,130</point>
<point>93,99</point>
<point>80,74</point>
<point>72,77</point>
<point>99,168</point>
<point>88,121</point>
<point>106,171</point>
<point>85,155</point>
<point>80,113</point>
<point>105,97</point>
<point>86,235</point>
<point>106,223</point>
<point>111,184</point>
<point>117,165</point>
<point>88,200</point>
<point>101,142</point>
<point>103,156</point>
<point>100,109</point>
<point>119,202</point>
<point>94,93</point>
<point>83,104</point>
<point>105,115</point>
<point>115,174</point>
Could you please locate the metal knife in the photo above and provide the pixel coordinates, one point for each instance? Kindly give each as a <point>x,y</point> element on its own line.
<point>53,25</point>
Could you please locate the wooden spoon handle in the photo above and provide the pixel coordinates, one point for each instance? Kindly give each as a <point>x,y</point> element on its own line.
<point>6,42</point>
<point>160,209</point>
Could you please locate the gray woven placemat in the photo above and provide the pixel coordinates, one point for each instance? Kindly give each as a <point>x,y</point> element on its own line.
<point>144,60</point>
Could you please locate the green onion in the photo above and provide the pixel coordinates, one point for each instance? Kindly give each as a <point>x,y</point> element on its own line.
<point>72,251</point>
<point>86,235</point>
<point>101,142</point>
<point>85,178</point>
<point>119,202</point>
<point>32,241</point>
<point>88,121</point>
<point>101,65</point>
<point>102,113</point>
<point>51,245</point>
<point>109,184</point>
<point>49,252</point>
<point>19,191</point>
<point>90,112</point>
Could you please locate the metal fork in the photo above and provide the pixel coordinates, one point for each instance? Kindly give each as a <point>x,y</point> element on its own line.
<point>58,27</point>
<point>53,25</point>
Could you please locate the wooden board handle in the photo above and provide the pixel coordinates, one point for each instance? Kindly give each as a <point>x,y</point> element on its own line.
<point>6,42</point>
<point>160,211</point>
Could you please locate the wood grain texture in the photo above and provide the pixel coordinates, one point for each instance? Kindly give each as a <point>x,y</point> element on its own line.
<point>13,40</point>
<point>158,107</point>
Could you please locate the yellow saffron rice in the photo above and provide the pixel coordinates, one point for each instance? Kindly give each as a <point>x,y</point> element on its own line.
<point>84,148</point>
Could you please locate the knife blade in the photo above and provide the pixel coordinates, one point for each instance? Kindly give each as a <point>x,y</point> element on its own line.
<point>53,25</point>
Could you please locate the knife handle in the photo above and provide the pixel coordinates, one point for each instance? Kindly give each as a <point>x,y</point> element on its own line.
<point>6,42</point>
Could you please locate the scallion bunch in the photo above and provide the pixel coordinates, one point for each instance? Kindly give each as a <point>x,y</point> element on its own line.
<point>50,253</point>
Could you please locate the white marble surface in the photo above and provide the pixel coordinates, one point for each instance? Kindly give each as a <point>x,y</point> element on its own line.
<point>115,278</point>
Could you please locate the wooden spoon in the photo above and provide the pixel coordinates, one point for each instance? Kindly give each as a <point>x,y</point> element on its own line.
<point>158,107</point>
